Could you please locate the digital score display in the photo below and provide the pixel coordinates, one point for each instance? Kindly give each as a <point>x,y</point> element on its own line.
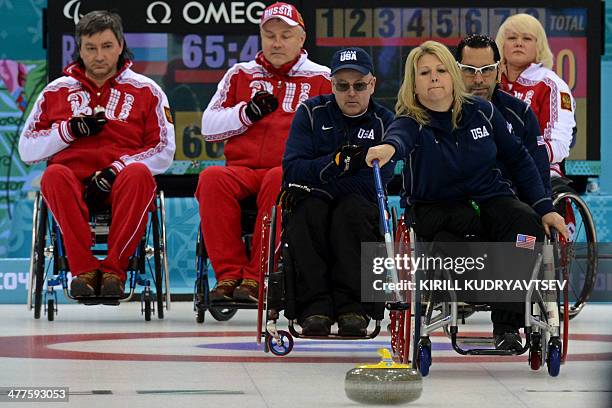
<point>388,30</point>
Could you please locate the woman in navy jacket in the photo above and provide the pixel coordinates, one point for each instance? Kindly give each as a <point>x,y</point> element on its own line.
<point>450,143</point>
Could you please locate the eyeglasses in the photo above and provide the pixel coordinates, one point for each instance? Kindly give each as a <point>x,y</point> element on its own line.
<point>357,86</point>
<point>487,70</point>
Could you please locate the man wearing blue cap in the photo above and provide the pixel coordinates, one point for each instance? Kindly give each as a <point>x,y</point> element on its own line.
<point>329,198</point>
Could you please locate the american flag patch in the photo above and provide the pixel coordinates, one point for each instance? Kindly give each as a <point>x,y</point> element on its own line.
<point>525,241</point>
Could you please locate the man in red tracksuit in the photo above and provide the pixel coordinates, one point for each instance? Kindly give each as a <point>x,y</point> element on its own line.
<point>105,131</point>
<point>252,109</point>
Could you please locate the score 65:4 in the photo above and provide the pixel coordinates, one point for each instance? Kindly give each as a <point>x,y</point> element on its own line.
<point>217,51</point>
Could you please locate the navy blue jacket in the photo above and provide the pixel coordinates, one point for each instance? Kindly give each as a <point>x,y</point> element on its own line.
<point>462,164</point>
<point>318,129</point>
<point>524,124</point>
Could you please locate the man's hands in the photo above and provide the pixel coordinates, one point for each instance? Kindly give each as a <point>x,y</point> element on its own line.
<point>350,158</point>
<point>81,126</point>
<point>554,220</point>
<point>291,195</point>
<point>262,104</point>
<point>98,188</point>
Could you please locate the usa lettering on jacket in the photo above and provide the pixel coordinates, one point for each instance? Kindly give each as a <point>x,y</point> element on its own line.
<point>479,133</point>
<point>365,134</point>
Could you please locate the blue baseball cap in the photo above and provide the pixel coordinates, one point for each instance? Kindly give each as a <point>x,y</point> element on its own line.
<point>352,58</point>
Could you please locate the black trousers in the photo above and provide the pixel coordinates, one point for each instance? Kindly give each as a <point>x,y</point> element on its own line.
<point>500,220</point>
<point>324,242</point>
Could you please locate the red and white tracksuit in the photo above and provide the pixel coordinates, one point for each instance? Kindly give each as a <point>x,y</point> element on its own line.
<point>553,103</point>
<point>137,141</point>
<point>253,153</point>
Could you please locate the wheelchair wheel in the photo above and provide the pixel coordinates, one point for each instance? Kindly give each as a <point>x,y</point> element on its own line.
<point>200,315</point>
<point>554,359</point>
<point>50,310</point>
<point>578,256</point>
<point>222,314</point>
<point>424,357</point>
<point>147,309</point>
<point>535,352</point>
<point>200,291</point>
<point>38,257</point>
<point>159,276</point>
<point>280,347</point>
<point>164,249</point>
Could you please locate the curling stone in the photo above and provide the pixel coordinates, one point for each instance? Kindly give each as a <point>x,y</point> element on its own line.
<point>383,383</point>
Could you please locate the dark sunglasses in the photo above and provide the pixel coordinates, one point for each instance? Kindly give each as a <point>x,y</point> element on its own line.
<point>357,86</point>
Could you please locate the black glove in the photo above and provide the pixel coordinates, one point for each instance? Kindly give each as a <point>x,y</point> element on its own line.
<point>350,158</point>
<point>98,188</point>
<point>291,195</point>
<point>86,125</point>
<point>262,104</point>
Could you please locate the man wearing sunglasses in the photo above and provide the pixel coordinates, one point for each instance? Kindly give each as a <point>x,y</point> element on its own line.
<point>478,60</point>
<point>329,198</point>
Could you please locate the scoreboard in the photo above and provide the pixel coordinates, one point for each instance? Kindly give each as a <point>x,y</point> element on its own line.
<point>389,29</point>
<point>186,46</point>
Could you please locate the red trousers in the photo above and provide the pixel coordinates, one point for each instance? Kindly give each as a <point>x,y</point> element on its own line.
<point>131,197</point>
<point>219,191</point>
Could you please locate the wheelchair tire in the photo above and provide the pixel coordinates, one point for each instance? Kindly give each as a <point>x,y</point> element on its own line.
<point>554,360</point>
<point>39,262</point>
<point>221,314</point>
<point>200,315</point>
<point>535,352</point>
<point>266,342</point>
<point>284,347</point>
<point>50,310</point>
<point>157,248</point>
<point>424,359</point>
<point>581,256</point>
<point>147,309</point>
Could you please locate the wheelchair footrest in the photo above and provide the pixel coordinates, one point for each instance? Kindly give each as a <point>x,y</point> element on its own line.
<point>334,336</point>
<point>233,305</point>
<point>484,341</point>
<point>99,300</point>
<point>480,351</point>
<point>491,352</point>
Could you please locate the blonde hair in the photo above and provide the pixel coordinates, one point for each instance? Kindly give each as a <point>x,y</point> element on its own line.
<point>525,23</point>
<point>407,101</point>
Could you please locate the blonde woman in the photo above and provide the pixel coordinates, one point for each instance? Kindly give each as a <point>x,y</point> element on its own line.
<point>450,143</point>
<point>527,74</point>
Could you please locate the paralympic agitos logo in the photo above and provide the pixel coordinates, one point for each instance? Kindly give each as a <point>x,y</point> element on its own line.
<point>193,12</point>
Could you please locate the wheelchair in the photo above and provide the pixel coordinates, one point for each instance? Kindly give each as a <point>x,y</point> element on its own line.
<point>49,265</point>
<point>221,311</point>
<point>578,256</point>
<point>277,293</point>
<point>546,335</point>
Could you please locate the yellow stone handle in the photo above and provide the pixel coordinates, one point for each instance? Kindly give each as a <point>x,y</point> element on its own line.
<point>385,354</point>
